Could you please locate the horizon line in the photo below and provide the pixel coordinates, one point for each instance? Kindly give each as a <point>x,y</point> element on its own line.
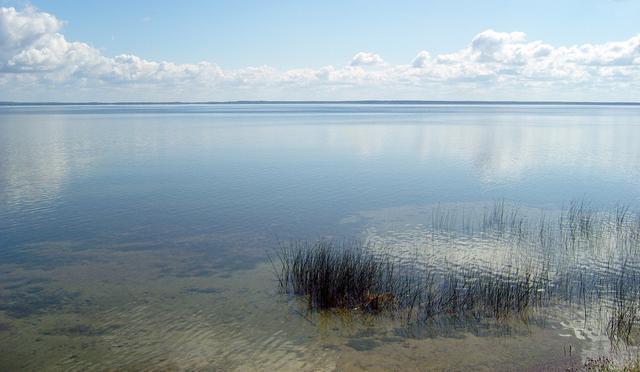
<point>295,102</point>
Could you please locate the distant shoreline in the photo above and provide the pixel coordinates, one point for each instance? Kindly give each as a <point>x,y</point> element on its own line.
<point>359,102</point>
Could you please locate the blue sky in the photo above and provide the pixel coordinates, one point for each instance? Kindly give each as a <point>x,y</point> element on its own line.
<point>290,34</point>
<point>303,39</point>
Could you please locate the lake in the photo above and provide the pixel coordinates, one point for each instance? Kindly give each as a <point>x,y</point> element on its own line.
<point>137,236</point>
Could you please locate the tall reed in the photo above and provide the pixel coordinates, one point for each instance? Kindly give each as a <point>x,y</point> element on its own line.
<point>580,257</point>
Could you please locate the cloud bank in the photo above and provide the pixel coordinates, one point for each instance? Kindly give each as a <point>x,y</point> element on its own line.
<point>38,63</point>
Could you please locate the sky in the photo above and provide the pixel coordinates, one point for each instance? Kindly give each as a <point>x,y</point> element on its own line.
<point>565,50</point>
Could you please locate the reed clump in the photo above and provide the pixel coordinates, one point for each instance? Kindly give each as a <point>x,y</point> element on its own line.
<point>343,276</point>
<point>480,295</point>
<point>353,277</point>
<point>577,258</point>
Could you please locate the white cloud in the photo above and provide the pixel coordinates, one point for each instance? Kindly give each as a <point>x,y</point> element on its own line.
<point>21,29</point>
<point>366,59</point>
<point>421,59</point>
<point>490,45</point>
<point>37,62</point>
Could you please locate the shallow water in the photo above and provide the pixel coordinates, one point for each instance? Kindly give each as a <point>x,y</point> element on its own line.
<point>135,236</point>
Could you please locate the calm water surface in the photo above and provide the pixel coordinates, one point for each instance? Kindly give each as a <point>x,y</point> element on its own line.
<point>135,236</point>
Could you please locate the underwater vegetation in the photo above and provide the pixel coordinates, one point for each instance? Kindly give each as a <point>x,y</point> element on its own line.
<point>578,258</point>
<point>605,364</point>
<point>34,300</point>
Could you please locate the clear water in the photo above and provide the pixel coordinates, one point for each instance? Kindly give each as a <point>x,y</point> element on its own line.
<point>135,236</point>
